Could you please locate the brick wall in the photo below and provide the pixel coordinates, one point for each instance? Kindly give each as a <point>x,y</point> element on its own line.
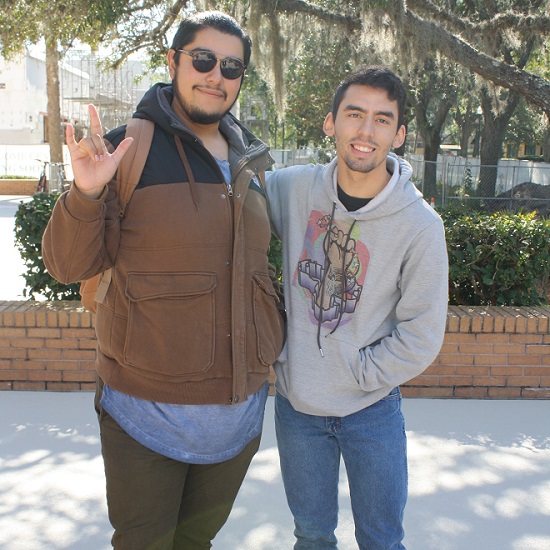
<point>488,352</point>
<point>18,186</point>
<point>46,346</point>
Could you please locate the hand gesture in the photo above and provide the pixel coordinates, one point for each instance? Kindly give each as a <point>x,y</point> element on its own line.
<point>93,166</point>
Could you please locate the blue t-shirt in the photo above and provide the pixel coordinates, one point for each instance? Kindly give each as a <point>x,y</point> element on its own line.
<point>197,434</point>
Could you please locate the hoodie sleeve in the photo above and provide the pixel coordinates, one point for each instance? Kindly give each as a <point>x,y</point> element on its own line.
<point>421,316</point>
<point>278,184</point>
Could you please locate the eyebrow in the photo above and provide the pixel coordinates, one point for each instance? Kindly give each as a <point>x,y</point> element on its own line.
<point>351,107</point>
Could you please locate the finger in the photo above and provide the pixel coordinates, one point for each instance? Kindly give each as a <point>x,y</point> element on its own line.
<point>99,144</point>
<point>120,151</point>
<point>95,121</point>
<point>87,146</point>
<point>69,137</point>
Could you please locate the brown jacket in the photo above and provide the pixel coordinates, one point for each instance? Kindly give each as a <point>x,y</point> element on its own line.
<point>191,314</point>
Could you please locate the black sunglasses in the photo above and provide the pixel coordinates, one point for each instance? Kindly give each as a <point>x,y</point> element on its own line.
<point>204,61</point>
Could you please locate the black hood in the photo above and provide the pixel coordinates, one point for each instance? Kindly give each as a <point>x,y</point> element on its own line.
<point>156,105</point>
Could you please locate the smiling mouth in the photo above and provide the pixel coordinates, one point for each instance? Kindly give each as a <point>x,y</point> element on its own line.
<point>212,92</point>
<point>363,149</point>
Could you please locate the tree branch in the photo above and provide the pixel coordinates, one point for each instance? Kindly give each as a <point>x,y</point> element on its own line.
<point>153,36</point>
<point>350,22</point>
<point>534,88</point>
<point>510,20</point>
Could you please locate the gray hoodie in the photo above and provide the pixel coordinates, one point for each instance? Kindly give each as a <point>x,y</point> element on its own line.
<point>366,292</point>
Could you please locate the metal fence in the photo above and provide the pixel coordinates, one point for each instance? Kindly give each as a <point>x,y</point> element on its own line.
<point>517,183</point>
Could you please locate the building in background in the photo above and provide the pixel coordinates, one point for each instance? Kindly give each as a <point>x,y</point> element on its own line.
<point>23,97</point>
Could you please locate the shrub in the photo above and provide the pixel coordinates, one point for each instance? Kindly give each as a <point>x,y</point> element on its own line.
<point>497,259</point>
<point>31,219</point>
<point>276,256</point>
<point>494,258</point>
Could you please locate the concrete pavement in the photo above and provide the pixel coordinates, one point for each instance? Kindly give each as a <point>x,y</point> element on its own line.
<point>479,478</point>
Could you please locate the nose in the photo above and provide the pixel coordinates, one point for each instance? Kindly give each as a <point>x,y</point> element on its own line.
<point>367,127</point>
<point>215,75</point>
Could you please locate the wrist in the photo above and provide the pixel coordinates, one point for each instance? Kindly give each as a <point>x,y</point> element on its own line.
<point>92,194</point>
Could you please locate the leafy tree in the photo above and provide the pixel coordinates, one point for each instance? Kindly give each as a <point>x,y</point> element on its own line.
<point>310,94</point>
<point>58,23</point>
<point>432,90</point>
<point>131,24</point>
<point>526,126</point>
<point>493,39</point>
<point>466,118</point>
<point>428,25</point>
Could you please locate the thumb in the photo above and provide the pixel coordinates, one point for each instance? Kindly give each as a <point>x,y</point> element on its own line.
<point>120,151</point>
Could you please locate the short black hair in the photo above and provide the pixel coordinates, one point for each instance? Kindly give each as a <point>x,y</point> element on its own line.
<point>217,20</point>
<point>374,76</point>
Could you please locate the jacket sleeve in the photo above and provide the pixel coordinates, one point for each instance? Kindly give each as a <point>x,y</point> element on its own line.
<point>421,317</point>
<point>82,235</point>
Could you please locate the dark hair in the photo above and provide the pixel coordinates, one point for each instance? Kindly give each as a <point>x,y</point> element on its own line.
<point>374,76</point>
<point>217,20</point>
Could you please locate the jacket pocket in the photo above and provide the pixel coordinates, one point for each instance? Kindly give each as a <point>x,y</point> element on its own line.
<point>268,321</point>
<point>171,322</point>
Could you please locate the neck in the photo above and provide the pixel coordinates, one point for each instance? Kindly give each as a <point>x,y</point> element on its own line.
<point>209,134</point>
<point>362,185</point>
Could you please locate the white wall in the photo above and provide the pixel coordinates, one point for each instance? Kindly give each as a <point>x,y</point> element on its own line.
<point>20,160</point>
<point>23,101</point>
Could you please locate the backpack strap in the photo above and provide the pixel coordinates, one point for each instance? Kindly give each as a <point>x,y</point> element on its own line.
<point>128,175</point>
<point>132,163</point>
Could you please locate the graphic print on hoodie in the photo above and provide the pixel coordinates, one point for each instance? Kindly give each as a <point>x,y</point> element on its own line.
<point>332,269</point>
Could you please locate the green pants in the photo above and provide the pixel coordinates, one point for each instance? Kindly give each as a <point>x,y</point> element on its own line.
<point>157,503</point>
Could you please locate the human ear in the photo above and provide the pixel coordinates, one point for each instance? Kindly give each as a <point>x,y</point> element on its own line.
<point>399,138</point>
<point>171,63</point>
<point>328,125</point>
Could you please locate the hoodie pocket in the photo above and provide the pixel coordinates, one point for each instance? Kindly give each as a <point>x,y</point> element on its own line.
<point>268,322</point>
<point>171,323</point>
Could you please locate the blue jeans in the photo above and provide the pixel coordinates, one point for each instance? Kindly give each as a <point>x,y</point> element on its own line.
<point>373,445</point>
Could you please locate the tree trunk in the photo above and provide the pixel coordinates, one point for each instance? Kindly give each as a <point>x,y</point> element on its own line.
<point>55,135</point>
<point>490,153</point>
<point>431,135</point>
<point>464,142</point>
<point>431,149</point>
<point>492,138</point>
<point>546,140</point>
<point>466,120</point>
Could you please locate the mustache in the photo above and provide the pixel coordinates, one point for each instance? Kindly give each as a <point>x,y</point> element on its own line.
<point>213,88</point>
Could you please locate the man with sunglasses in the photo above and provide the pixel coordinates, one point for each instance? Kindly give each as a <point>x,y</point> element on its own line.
<point>190,323</point>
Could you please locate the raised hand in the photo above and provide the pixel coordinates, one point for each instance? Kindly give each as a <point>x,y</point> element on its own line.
<point>93,166</point>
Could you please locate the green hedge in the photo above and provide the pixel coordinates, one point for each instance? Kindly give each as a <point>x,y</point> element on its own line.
<point>497,259</point>
<point>31,219</point>
<point>494,259</point>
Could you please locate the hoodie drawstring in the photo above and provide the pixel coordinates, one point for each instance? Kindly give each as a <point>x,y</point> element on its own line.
<point>344,294</point>
<point>323,280</point>
<point>342,290</point>
<point>192,182</point>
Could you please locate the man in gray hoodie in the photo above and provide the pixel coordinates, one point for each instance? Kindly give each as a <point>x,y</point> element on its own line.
<point>365,283</point>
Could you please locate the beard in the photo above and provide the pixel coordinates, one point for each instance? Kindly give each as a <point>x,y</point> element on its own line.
<point>360,166</point>
<point>195,114</point>
<point>366,166</point>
